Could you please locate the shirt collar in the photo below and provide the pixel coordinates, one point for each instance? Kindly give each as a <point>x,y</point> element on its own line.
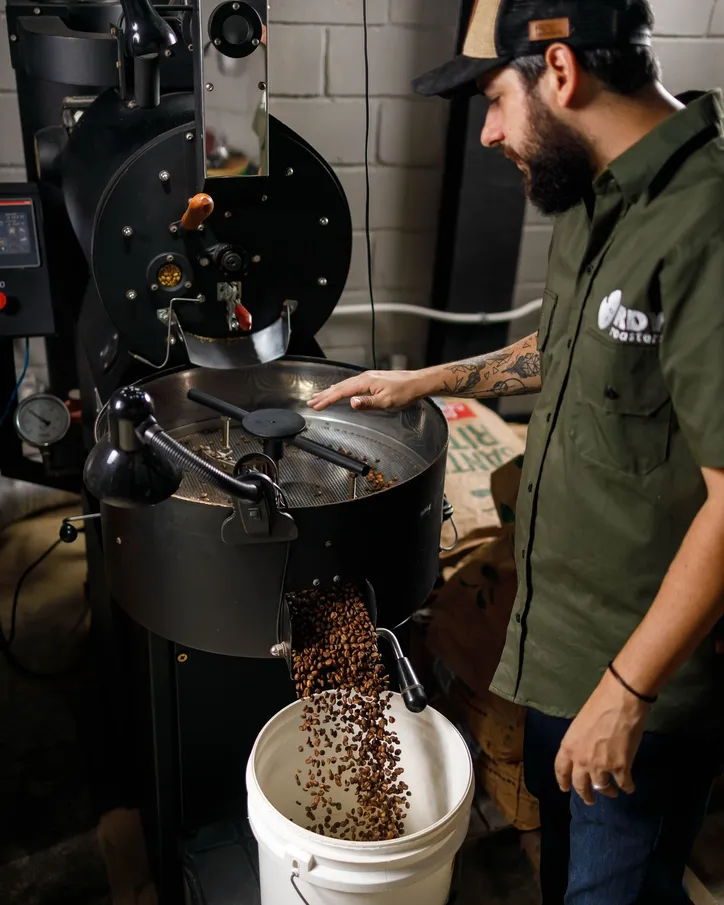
<point>635,169</point>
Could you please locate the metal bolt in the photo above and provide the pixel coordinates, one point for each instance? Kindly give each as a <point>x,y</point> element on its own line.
<point>172,341</point>
<point>328,543</point>
<point>131,295</point>
<point>217,41</point>
<point>234,6</point>
<point>182,658</point>
<point>262,86</point>
<point>227,214</point>
<point>324,221</point>
<point>173,228</point>
<point>255,42</point>
<point>316,582</point>
<point>168,52</point>
<point>189,136</point>
<point>164,175</point>
<point>322,281</point>
<point>13,37</point>
<point>201,298</point>
<point>187,284</point>
<point>113,29</point>
<point>204,262</point>
<point>279,650</point>
<point>131,105</point>
<point>154,287</point>
<point>264,197</point>
<point>118,64</point>
<point>201,228</point>
<point>289,171</point>
<point>191,47</point>
<point>337,578</point>
<point>127,231</point>
<point>209,86</point>
<point>255,259</point>
<point>118,540</point>
<point>169,259</point>
<point>36,10</point>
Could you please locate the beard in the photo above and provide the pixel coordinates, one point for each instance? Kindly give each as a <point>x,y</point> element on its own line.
<point>559,169</point>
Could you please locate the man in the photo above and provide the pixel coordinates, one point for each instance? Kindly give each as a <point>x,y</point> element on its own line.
<point>620,520</point>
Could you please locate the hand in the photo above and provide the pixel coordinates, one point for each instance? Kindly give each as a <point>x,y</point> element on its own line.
<point>373,390</point>
<point>601,743</point>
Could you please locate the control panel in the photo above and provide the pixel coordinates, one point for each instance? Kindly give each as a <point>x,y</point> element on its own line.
<point>25,301</point>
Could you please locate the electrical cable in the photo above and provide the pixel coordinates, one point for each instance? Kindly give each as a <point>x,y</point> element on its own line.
<point>15,392</point>
<point>6,641</point>
<point>367,181</point>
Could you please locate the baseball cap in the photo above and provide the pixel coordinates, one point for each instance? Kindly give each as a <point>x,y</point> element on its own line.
<point>500,31</point>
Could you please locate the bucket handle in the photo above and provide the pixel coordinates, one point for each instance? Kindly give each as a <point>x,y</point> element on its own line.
<point>293,880</point>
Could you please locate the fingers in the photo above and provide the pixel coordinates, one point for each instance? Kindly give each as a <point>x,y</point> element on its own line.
<point>356,386</point>
<point>603,784</point>
<point>564,770</point>
<point>624,781</point>
<point>582,784</point>
<point>365,402</point>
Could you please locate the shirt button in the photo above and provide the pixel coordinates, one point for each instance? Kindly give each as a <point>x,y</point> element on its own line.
<point>530,488</point>
<point>611,393</point>
<point>523,554</point>
<point>589,269</point>
<point>549,416</point>
<point>518,618</point>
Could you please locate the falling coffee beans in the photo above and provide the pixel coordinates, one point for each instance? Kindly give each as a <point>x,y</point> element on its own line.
<point>353,754</point>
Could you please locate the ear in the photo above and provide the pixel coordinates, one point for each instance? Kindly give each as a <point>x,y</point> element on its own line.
<point>564,75</point>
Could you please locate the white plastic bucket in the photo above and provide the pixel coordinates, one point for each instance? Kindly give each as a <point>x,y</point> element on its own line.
<point>416,869</point>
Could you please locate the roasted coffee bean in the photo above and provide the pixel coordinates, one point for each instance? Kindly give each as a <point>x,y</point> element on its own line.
<point>340,675</point>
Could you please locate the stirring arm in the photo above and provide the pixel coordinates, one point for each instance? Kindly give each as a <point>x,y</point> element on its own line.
<point>316,449</point>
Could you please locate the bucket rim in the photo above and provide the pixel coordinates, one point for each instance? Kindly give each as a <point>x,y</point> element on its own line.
<point>354,845</point>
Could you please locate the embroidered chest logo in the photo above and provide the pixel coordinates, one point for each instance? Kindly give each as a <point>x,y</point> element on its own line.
<point>628,325</point>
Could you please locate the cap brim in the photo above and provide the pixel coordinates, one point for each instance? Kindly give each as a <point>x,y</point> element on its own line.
<point>458,78</point>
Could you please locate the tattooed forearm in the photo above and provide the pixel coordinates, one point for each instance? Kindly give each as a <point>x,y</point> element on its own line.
<point>511,372</point>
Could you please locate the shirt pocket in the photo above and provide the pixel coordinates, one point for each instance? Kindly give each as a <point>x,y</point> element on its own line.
<point>622,408</point>
<point>550,300</point>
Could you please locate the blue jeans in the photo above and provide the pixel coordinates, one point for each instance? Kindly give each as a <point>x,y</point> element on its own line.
<point>630,850</point>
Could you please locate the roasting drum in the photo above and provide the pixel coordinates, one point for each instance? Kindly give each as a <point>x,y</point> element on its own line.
<point>171,571</point>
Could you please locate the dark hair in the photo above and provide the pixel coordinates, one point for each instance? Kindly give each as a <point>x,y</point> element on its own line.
<point>624,71</point>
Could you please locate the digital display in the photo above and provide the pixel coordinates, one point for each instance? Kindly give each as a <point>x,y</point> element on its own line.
<point>18,240</point>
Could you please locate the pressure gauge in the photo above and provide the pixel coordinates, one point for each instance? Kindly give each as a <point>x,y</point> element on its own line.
<point>42,420</point>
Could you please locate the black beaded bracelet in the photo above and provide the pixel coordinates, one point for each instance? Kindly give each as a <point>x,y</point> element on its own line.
<point>647,699</point>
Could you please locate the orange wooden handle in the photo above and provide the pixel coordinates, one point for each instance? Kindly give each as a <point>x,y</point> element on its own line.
<point>200,207</point>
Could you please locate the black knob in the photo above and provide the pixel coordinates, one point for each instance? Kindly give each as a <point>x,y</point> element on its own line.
<point>68,533</point>
<point>231,261</point>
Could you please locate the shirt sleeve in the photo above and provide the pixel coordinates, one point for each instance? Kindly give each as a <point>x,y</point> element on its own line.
<point>692,346</point>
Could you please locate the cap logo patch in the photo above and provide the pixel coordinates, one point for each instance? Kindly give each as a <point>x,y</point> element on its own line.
<point>549,29</point>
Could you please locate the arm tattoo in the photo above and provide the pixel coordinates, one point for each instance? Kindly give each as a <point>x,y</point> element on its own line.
<point>489,375</point>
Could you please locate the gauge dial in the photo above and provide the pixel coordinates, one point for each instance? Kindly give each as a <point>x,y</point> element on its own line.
<point>42,420</point>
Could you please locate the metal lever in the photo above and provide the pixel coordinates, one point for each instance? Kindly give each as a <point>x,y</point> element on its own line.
<point>316,449</point>
<point>413,694</point>
<point>147,32</point>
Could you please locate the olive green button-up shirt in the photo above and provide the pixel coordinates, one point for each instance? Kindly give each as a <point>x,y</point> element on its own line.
<point>632,407</point>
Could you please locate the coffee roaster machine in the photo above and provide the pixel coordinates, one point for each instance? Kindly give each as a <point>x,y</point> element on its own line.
<point>180,268</point>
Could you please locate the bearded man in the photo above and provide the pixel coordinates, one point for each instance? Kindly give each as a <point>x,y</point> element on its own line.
<point>620,523</point>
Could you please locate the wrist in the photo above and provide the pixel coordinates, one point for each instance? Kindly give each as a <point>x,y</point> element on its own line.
<point>429,382</point>
<point>638,696</point>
